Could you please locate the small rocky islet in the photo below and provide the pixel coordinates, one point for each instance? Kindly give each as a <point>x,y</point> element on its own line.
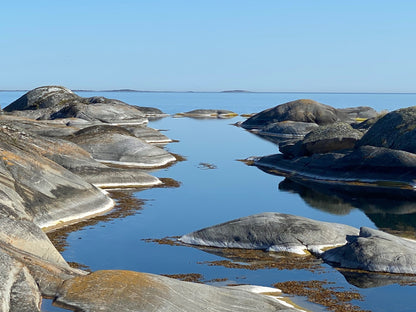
<point>59,150</point>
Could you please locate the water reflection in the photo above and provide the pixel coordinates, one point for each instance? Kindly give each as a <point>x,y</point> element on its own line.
<point>363,279</point>
<point>388,213</point>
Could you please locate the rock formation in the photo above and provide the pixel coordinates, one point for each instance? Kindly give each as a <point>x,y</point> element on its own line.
<point>272,232</point>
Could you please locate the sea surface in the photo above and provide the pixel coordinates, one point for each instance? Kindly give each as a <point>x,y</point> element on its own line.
<point>210,185</point>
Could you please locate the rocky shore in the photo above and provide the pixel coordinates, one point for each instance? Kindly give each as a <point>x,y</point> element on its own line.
<point>58,152</point>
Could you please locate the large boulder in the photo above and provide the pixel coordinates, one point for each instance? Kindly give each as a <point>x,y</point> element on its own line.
<point>115,145</point>
<point>374,250</point>
<point>272,232</point>
<point>300,110</point>
<point>133,291</point>
<point>334,137</point>
<point>396,130</point>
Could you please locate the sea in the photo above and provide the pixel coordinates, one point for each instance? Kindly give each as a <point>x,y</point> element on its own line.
<point>210,185</point>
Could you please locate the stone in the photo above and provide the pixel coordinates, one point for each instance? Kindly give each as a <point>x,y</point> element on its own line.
<point>377,251</point>
<point>272,232</point>
<point>147,134</point>
<point>53,102</point>
<point>373,169</point>
<point>396,130</point>
<point>288,128</point>
<point>208,114</point>
<point>360,112</point>
<point>133,291</point>
<point>115,145</point>
<point>303,110</point>
<point>334,137</point>
<point>49,193</point>
<point>18,290</point>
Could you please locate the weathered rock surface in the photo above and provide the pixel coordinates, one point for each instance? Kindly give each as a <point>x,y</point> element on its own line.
<point>374,250</point>
<point>374,169</point>
<point>53,102</point>
<point>34,182</point>
<point>208,114</point>
<point>396,130</point>
<point>272,232</point>
<point>360,112</point>
<point>18,289</point>
<point>288,129</point>
<point>300,110</point>
<point>149,135</point>
<point>115,145</point>
<point>133,291</point>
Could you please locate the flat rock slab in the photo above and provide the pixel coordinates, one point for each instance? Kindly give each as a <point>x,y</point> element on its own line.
<point>208,114</point>
<point>377,251</point>
<point>132,291</point>
<point>273,232</point>
<point>376,169</point>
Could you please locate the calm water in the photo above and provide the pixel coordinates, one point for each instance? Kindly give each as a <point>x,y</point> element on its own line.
<point>229,190</point>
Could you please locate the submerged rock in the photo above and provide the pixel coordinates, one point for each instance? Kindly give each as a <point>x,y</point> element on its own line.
<point>374,250</point>
<point>272,232</point>
<point>133,291</point>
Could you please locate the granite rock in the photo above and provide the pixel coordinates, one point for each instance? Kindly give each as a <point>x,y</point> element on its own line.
<point>377,251</point>
<point>272,232</point>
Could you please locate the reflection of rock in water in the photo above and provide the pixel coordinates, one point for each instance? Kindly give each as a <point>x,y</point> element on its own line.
<point>326,202</point>
<point>364,279</point>
<point>387,211</point>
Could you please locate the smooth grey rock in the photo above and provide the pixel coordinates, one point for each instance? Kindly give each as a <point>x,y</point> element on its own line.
<point>288,128</point>
<point>117,146</point>
<point>374,250</point>
<point>272,232</point>
<point>18,290</point>
<point>359,112</point>
<point>133,291</point>
<point>208,114</point>
<point>303,110</point>
<point>149,135</point>
<point>396,130</point>
<point>52,102</point>
<point>48,192</point>
<point>334,137</point>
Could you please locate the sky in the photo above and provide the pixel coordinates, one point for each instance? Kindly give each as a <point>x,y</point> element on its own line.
<point>264,46</point>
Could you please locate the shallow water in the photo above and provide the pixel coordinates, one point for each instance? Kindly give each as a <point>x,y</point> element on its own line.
<point>215,187</point>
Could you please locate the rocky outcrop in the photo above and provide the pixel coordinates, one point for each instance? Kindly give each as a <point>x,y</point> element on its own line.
<point>335,137</point>
<point>208,114</point>
<point>53,102</point>
<point>272,232</point>
<point>294,120</point>
<point>396,130</point>
<point>115,145</point>
<point>304,110</point>
<point>373,250</point>
<point>133,291</point>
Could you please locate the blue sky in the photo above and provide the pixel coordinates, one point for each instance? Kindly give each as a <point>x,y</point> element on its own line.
<point>331,46</point>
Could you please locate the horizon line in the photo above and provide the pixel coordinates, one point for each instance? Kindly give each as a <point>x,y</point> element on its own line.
<point>223,91</point>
